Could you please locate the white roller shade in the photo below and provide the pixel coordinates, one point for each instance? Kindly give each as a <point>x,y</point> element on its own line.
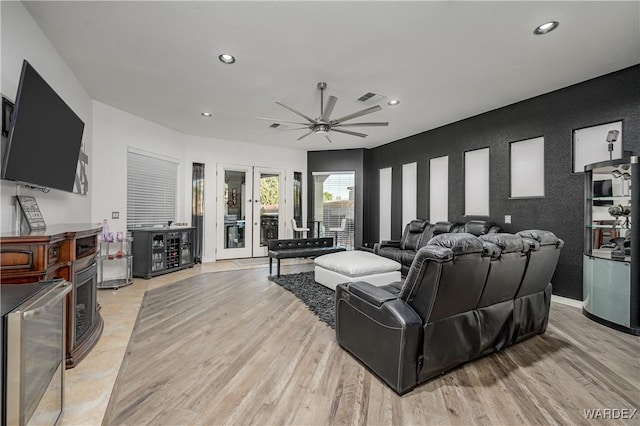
<point>439,189</point>
<point>385,204</point>
<point>409,193</point>
<point>476,182</point>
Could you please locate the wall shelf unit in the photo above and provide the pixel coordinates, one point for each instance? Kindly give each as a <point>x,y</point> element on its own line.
<point>611,264</point>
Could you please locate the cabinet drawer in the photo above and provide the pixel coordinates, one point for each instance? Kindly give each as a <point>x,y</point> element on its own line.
<point>20,258</point>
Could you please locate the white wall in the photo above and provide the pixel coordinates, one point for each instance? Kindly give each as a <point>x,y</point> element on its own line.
<point>116,131</point>
<point>22,39</point>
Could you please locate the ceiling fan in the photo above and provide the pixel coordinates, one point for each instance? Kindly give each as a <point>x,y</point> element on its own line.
<point>323,124</point>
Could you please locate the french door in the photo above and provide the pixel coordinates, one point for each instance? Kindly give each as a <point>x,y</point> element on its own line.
<point>250,210</point>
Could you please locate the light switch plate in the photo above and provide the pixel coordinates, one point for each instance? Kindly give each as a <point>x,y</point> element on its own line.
<point>507,218</point>
<point>115,215</point>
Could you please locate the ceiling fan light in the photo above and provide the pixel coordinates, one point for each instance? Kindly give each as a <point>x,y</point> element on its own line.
<point>546,27</point>
<point>225,58</point>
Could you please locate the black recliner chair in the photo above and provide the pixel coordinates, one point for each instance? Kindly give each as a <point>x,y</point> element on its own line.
<point>419,232</point>
<point>456,304</point>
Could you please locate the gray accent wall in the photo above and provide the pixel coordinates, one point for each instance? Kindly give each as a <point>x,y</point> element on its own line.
<point>554,115</point>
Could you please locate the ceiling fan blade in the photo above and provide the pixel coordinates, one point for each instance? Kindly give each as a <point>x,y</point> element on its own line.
<point>296,112</point>
<point>348,132</point>
<point>378,123</point>
<point>296,128</point>
<point>357,114</point>
<point>275,120</point>
<point>329,108</point>
<point>305,135</point>
<point>328,138</point>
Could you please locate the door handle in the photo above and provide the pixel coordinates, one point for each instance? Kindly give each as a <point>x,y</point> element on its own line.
<point>61,292</point>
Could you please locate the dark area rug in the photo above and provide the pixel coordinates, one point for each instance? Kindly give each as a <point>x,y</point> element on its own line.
<point>319,299</point>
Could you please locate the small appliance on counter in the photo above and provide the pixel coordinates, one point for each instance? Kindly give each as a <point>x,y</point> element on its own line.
<point>33,330</point>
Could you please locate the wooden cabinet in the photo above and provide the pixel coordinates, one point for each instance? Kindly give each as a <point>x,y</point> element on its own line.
<point>61,251</point>
<point>158,251</point>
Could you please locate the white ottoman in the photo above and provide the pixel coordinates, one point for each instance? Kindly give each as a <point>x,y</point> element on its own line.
<point>348,266</point>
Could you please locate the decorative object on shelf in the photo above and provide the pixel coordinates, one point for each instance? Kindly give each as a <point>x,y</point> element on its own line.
<point>31,212</point>
<point>105,230</point>
<point>612,136</point>
<point>620,210</point>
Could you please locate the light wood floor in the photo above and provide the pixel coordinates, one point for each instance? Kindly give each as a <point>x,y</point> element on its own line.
<point>234,348</point>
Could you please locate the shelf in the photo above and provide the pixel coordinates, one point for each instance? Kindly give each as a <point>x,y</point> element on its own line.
<point>593,226</point>
<point>614,198</point>
<point>118,273</point>
<point>115,283</point>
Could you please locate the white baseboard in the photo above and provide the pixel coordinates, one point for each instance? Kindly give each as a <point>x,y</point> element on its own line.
<point>566,301</point>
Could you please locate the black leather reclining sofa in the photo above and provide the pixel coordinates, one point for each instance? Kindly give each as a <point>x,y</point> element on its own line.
<point>417,234</point>
<point>464,297</point>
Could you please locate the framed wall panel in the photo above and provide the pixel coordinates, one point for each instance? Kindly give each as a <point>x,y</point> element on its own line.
<point>527,168</point>
<point>409,192</point>
<point>385,204</point>
<point>590,145</point>
<point>476,182</point>
<point>439,189</point>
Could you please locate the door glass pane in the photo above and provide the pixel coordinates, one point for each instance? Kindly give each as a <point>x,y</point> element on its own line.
<point>269,208</point>
<point>234,209</point>
<point>334,201</point>
<point>297,198</point>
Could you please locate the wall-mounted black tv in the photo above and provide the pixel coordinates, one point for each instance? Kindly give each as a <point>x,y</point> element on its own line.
<point>45,136</point>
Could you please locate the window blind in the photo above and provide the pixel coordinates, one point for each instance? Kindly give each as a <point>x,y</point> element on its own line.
<point>151,190</point>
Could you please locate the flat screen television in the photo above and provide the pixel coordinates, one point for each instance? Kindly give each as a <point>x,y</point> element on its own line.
<point>45,136</point>
<point>602,188</point>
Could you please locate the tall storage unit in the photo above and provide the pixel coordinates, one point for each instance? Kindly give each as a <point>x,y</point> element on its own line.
<point>158,251</point>
<point>611,266</point>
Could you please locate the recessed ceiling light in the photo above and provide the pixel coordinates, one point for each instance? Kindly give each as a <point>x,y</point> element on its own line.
<point>393,102</point>
<point>546,27</point>
<point>226,58</point>
<point>206,114</point>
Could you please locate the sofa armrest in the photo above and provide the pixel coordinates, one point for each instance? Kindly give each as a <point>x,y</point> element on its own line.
<point>381,331</point>
<point>390,243</point>
<point>370,293</point>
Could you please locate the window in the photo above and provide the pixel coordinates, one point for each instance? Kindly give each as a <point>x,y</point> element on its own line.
<point>439,189</point>
<point>385,204</point>
<point>151,190</point>
<point>591,144</point>
<point>476,182</point>
<point>527,168</point>
<point>334,200</point>
<point>409,192</point>
<point>297,198</point>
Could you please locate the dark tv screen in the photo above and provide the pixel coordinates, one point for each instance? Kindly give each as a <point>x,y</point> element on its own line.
<point>603,188</point>
<point>45,136</point>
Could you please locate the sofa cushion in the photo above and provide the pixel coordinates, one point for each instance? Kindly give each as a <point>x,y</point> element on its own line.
<point>413,234</point>
<point>392,253</point>
<point>459,243</point>
<point>508,243</point>
<point>356,263</point>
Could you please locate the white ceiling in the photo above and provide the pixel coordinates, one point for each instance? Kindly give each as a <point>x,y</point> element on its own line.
<point>444,60</point>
